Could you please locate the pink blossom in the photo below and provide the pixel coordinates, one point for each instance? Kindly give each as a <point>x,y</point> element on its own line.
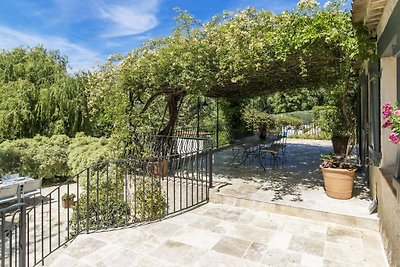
<point>387,123</point>
<point>386,110</point>
<point>397,112</point>
<point>395,139</point>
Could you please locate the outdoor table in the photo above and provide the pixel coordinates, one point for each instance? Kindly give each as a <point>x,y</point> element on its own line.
<point>249,148</point>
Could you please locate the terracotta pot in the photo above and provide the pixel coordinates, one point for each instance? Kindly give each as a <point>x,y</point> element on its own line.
<point>339,145</point>
<point>160,168</point>
<point>338,182</point>
<point>67,203</point>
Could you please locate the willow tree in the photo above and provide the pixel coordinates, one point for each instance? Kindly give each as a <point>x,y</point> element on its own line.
<point>244,54</point>
<point>37,95</point>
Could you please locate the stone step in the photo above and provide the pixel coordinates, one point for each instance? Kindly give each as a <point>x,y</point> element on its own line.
<point>367,223</point>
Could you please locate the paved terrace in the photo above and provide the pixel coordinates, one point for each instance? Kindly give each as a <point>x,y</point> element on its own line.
<point>277,217</point>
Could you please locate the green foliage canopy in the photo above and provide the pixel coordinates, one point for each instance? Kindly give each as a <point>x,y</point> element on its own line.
<point>245,54</point>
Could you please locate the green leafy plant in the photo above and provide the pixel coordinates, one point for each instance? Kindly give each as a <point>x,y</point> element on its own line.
<point>283,120</point>
<point>106,209</point>
<point>150,200</point>
<point>66,196</point>
<point>254,119</point>
<point>40,156</point>
<point>331,120</point>
<point>335,161</point>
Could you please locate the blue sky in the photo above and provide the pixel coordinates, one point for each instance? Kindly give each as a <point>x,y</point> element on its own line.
<point>88,31</point>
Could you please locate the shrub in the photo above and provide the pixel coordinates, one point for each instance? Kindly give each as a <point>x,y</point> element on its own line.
<point>331,120</point>
<point>286,120</point>
<point>38,157</point>
<point>150,200</point>
<point>254,118</point>
<point>84,151</point>
<point>108,210</point>
<point>10,156</point>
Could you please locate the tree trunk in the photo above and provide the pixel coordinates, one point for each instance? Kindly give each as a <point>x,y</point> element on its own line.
<point>173,108</point>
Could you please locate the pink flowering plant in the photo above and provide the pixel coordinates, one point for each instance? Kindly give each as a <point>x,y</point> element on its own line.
<point>335,161</point>
<point>391,116</point>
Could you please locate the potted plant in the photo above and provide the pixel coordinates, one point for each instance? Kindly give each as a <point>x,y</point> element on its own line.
<point>338,176</point>
<point>332,121</point>
<point>68,200</point>
<point>157,165</point>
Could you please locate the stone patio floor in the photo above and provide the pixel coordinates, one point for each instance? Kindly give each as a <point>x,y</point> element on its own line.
<point>276,217</point>
<point>223,235</point>
<point>296,183</point>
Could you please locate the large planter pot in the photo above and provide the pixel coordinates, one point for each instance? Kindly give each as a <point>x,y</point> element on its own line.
<point>338,182</point>
<point>160,168</point>
<point>339,145</point>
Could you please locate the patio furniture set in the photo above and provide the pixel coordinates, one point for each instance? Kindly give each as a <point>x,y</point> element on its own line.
<point>272,147</point>
<point>15,188</point>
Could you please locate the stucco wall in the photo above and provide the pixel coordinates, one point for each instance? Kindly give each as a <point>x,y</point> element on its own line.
<point>388,94</point>
<point>389,215</point>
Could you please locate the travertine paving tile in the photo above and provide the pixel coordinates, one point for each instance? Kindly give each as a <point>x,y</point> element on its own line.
<point>246,232</point>
<point>344,235</point>
<point>196,237</point>
<point>152,262</point>
<point>307,245</point>
<point>268,222</point>
<point>84,245</point>
<point>232,246</point>
<point>171,250</point>
<point>281,257</point>
<point>163,228</point>
<point>223,214</point>
<point>280,240</point>
<point>311,260</point>
<point>214,258</point>
<point>63,258</point>
<point>124,258</point>
<point>191,257</point>
<point>255,252</point>
<point>205,223</point>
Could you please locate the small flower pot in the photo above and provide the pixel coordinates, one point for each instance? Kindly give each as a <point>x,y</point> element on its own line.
<point>338,182</point>
<point>67,203</point>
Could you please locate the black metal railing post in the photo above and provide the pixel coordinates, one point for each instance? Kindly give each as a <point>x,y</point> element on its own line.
<point>22,236</point>
<point>87,199</point>
<point>19,232</point>
<point>210,163</point>
<point>3,239</point>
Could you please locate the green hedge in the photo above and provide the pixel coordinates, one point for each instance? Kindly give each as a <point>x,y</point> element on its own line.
<point>285,120</point>
<point>54,157</point>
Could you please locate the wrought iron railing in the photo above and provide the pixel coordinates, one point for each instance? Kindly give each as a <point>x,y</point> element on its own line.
<point>111,194</point>
<point>219,136</point>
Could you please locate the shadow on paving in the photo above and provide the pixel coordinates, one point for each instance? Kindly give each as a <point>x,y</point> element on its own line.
<point>300,171</point>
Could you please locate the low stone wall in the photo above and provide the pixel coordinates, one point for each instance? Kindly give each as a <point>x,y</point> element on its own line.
<point>389,214</point>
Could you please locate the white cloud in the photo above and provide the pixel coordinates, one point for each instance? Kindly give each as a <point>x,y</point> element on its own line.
<point>130,19</point>
<point>79,58</point>
<point>117,18</point>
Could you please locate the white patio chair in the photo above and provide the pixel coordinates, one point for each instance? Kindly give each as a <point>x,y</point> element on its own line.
<point>32,187</point>
<point>8,193</point>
